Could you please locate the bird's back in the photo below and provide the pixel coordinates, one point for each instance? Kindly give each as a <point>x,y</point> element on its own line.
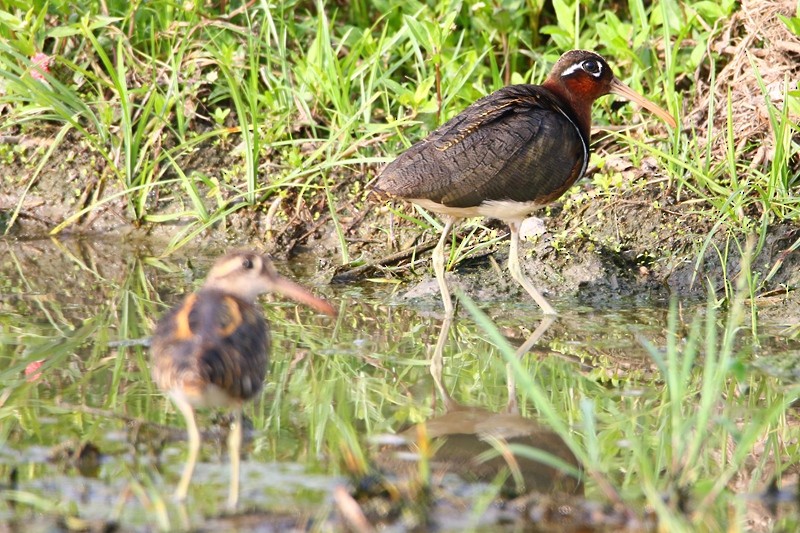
<point>213,350</point>
<point>517,144</point>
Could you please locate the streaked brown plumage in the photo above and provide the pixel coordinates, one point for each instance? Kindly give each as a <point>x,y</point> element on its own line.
<point>509,153</point>
<point>213,349</point>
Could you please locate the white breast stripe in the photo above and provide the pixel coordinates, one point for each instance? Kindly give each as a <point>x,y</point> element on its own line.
<point>507,210</point>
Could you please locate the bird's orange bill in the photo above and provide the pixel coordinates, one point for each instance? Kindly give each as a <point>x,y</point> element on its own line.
<point>617,87</point>
<point>302,295</point>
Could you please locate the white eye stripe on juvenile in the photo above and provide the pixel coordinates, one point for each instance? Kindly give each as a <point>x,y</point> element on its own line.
<point>579,66</point>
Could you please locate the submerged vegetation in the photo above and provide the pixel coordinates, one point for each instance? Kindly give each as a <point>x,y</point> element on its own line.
<point>664,411</point>
<point>213,124</point>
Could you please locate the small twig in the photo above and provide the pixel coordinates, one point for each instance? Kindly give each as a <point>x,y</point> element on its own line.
<point>350,150</point>
<point>361,270</point>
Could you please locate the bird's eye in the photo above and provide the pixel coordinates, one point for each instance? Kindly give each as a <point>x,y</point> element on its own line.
<point>592,66</point>
<point>247,263</point>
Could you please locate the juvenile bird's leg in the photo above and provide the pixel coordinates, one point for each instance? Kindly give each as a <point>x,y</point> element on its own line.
<point>234,450</point>
<point>194,447</point>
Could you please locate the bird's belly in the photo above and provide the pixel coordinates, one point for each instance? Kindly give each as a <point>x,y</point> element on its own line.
<point>506,210</point>
<point>206,395</point>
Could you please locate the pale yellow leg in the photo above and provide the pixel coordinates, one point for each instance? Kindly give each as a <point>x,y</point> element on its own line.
<point>437,364</point>
<point>234,450</point>
<point>194,447</point>
<point>438,267</point>
<point>529,343</point>
<point>516,271</point>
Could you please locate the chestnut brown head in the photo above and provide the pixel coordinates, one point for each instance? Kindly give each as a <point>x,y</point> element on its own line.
<point>580,77</point>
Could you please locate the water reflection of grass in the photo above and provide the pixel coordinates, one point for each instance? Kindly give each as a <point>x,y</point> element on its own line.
<point>693,442</point>
<point>685,428</point>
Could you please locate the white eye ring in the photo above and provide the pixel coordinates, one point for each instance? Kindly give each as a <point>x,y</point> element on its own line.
<point>592,67</point>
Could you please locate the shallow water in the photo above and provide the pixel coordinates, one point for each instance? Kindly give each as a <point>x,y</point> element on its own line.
<point>87,436</point>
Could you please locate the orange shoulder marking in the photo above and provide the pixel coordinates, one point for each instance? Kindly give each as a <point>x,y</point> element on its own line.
<point>182,329</point>
<point>234,317</point>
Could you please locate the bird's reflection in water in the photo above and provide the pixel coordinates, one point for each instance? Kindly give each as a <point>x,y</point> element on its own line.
<point>473,442</point>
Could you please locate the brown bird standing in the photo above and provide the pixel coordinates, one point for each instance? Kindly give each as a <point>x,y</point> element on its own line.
<point>508,154</point>
<point>213,349</point>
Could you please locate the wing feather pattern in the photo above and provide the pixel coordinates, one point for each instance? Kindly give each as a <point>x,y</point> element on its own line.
<point>515,144</point>
<point>228,346</point>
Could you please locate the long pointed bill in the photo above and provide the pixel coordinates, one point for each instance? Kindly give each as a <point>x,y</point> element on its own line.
<point>617,87</point>
<point>302,295</point>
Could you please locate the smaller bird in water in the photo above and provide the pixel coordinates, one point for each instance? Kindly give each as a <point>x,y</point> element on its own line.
<point>508,154</point>
<point>213,349</point>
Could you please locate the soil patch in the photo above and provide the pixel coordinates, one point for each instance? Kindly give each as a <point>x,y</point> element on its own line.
<point>638,237</point>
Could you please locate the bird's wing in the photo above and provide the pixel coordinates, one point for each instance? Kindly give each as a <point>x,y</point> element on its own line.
<point>235,356</point>
<point>212,338</point>
<point>515,144</point>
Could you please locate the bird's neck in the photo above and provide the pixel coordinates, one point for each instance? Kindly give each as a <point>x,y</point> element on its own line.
<point>244,292</point>
<point>577,108</point>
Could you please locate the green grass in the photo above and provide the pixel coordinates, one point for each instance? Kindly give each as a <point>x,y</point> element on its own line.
<point>309,99</point>
<point>140,84</point>
<point>664,408</point>
<point>305,101</point>
<point>702,421</point>
<point>296,73</point>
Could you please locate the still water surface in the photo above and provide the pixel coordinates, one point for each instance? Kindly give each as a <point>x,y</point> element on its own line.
<point>85,433</point>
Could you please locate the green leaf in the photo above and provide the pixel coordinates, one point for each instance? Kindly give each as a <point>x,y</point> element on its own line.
<point>712,11</point>
<point>76,29</point>
<point>420,32</point>
<point>14,23</point>
<point>792,23</point>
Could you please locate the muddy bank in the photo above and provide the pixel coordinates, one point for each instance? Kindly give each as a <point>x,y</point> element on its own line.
<point>634,239</point>
<point>625,231</point>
